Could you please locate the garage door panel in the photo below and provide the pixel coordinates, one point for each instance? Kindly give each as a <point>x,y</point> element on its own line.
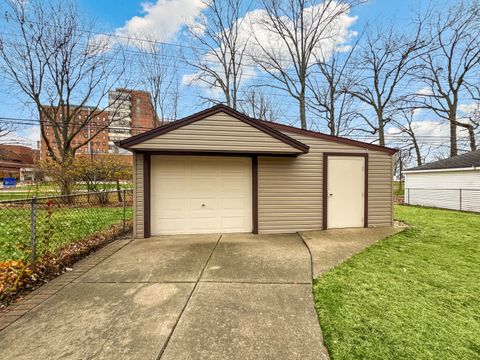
<point>170,185</point>
<point>211,212</point>
<point>233,224</point>
<point>169,204</point>
<point>234,204</point>
<point>200,195</point>
<point>169,224</point>
<point>201,188</point>
<point>203,225</point>
<point>173,167</point>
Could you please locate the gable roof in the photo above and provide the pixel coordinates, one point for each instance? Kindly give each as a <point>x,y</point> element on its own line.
<point>468,160</point>
<point>337,139</point>
<point>260,125</point>
<point>275,130</point>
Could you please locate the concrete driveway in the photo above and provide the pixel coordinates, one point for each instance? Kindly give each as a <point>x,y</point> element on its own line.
<point>235,296</point>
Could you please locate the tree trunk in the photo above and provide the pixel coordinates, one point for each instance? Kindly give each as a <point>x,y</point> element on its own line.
<point>303,116</point>
<point>118,191</point>
<point>417,153</point>
<point>381,130</point>
<point>331,122</point>
<point>453,139</point>
<point>471,138</point>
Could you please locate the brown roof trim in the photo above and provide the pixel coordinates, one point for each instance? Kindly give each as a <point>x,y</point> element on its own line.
<point>216,153</point>
<point>337,139</point>
<point>260,125</point>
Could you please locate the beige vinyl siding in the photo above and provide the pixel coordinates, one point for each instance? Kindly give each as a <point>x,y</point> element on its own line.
<point>380,189</point>
<point>290,189</point>
<point>138,194</point>
<point>219,132</point>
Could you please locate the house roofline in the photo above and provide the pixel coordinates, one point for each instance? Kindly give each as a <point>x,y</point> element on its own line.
<point>333,138</point>
<point>137,139</point>
<point>273,129</point>
<point>470,168</point>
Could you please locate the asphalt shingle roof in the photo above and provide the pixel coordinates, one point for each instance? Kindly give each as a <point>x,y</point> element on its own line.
<point>470,159</point>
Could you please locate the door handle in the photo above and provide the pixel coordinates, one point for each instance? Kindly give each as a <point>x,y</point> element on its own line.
<point>330,194</point>
<point>203,205</point>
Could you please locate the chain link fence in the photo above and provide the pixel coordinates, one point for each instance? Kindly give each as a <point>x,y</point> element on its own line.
<point>454,199</point>
<point>32,228</point>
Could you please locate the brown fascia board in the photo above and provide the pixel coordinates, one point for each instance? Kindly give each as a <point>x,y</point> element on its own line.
<point>333,138</point>
<point>260,125</point>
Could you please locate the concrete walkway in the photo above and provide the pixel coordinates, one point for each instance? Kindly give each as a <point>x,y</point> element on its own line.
<point>236,296</point>
<point>329,248</point>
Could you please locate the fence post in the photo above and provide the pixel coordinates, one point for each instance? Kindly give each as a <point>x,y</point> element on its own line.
<point>460,199</point>
<point>33,231</point>
<point>124,208</point>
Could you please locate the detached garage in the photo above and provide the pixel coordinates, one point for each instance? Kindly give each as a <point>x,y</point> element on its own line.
<point>219,171</point>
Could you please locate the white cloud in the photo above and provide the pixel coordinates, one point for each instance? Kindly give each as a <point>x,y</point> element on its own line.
<point>430,132</point>
<point>424,91</point>
<point>431,128</point>
<point>162,20</point>
<point>336,35</point>
<point>469,109</point>
<point>252,32</point>
<point>27,136</point>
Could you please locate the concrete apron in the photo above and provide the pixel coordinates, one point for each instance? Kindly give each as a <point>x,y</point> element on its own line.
<point>236,296</point>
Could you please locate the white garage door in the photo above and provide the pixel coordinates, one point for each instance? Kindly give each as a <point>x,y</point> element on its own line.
<point>191,195</point>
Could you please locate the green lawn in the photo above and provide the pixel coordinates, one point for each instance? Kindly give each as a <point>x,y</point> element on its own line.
<point>398,188</point>
<point>21,195</point>
<point>63,226</point>
<point>415,295</point>
<point>48,189</point>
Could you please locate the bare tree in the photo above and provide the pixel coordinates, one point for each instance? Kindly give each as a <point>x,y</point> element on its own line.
<point>471,122</point>
<point>6,129</point>
<point>298,28</point>
<point>63,70</point>
<point>159,75</point>
<point>259,106</point>
<point>220,66</point>
<point>330,101</point>
<point>385,60</point>
<point>450,67</point>
<point>404,125</point>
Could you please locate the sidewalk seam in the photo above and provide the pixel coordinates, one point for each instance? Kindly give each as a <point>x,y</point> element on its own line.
<point>165,344</point>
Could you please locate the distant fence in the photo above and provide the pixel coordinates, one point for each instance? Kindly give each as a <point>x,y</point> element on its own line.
<point>454,199</point>
<point>31,228</point>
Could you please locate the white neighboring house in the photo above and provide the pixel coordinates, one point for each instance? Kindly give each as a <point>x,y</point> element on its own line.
<point>452,183</point>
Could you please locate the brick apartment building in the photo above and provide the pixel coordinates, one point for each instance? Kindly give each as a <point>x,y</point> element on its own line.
<point>15,157</point>
<point>129,112</point>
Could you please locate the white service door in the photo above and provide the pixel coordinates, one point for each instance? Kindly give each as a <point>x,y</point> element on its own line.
<point>193,195</point>
<point>345,197</point>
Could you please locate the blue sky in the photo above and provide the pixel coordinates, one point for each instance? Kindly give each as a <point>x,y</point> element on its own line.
<point>114,15</point>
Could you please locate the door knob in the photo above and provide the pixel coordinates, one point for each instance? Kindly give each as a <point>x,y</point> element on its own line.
<point>330,194</point>
<point>203,205</point>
